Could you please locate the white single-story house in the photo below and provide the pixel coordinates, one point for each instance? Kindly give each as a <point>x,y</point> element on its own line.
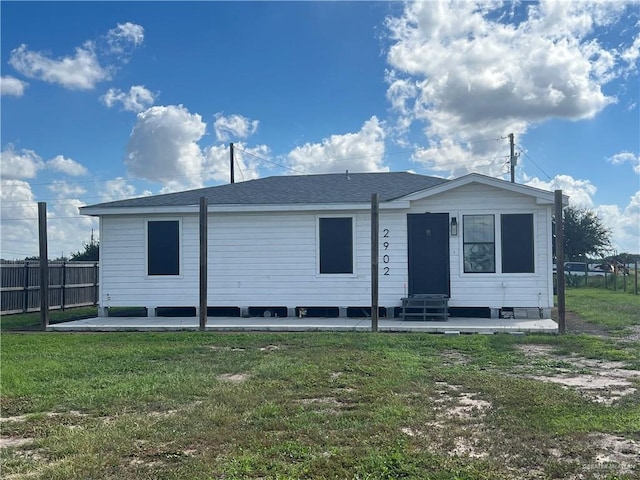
<point>292,245</point>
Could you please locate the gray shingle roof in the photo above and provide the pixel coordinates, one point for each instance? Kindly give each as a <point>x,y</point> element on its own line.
<point>305,189</point>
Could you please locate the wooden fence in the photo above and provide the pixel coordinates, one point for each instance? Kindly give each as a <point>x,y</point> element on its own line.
<point>71,284</point>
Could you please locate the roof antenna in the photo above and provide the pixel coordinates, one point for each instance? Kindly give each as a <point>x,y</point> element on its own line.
<point>347,174</point>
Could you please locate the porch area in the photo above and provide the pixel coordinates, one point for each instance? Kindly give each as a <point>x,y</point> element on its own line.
<point>452,326</point>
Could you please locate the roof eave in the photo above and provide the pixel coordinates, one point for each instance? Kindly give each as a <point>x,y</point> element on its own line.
<point>543,197</point>
<point>220,208</point>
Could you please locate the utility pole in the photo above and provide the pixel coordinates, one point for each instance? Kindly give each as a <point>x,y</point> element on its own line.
<point>560,261</point>
<point>375,234</point>
<point>203,262</point>
<point>513,158</point>
<point>232,162</point>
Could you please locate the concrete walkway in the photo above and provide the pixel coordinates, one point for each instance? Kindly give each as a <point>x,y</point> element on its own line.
<point>292,324</point>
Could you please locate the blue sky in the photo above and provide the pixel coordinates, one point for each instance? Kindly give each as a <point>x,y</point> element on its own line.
<point>104,101</point>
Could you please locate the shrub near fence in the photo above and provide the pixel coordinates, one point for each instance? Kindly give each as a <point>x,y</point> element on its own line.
<point>71,284</point>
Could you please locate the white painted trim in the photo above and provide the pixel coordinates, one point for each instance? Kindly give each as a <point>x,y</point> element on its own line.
<point>542,196</point>
<point>495,245</point>
<point>215,208</point>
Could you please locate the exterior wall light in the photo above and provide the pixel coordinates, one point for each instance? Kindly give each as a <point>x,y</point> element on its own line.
<point>454,226</point>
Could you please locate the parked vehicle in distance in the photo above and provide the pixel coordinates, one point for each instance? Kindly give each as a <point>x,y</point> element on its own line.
<point>580,268</point>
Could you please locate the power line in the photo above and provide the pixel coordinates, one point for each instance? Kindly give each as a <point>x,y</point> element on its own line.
<point>492,161</point>
<point>36,218</point>
<point>161,179</point>
<point>271,161</point>
<point>531,159</point>
<point>239,167</point>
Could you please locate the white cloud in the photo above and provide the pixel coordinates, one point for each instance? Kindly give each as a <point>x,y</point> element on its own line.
<point>624,157</point>
<point>65,189</point>
<point>217,162</point>
<point>624,224</point>
<point>119,189</point>
<point>163,147</point>
<point>473,71</point>
<point>124,35</point>
<point>362,151</point>
<point>66,229</point>
<point>19,165</point>
<point>580,192</point>
<point>12,86</point>
<point>136,100</point>
<point>67,166</point>
<point>233,127</point>
<point>79,72</point>
<point>631,54</point>
<point>19,214</point>
<point>82,70</point>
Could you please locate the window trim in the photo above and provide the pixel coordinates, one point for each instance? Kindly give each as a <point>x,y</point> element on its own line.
<point>494,243</point>
<point>353,246</point>
<point>180,249</point>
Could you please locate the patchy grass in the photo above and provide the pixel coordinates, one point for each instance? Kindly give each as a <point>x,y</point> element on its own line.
<point>616,311</point>
<point>314,405</point>
<point>31,321</point>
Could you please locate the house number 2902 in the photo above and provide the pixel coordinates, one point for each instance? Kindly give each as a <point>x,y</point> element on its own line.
<point>385,257</point>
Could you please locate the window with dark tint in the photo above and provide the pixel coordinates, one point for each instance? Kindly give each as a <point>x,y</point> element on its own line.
<point>517,243</point>
<point>336,245</point>
<point>479,244</point>
<point>163,248</point>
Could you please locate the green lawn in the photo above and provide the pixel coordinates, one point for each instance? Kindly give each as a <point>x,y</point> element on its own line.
<point>196,405</point>
<point>31,321</point>
<point>616,311</point>
<point>314,405</point>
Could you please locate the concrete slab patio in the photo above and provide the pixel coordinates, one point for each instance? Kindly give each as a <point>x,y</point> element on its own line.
<point>292,324</point>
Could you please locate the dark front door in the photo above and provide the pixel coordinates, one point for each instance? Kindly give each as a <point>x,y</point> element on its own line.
<point>428,243</point>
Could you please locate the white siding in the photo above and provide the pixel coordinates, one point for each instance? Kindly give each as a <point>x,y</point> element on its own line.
<point>123,265</point>
<point>270,259</point>
<point>495,289</point>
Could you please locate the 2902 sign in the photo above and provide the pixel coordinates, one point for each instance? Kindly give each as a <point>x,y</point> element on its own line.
<point>385,257</point>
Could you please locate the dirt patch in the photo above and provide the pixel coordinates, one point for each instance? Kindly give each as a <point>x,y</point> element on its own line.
<point>233,377</point>
<point>634,335</point>
<point>454,358</point>
<point>270,348</point>
<point>323,404</point>
<point>224,349</point>
<point>601,381</point>
<point>8,442</point>
<point>24,418</point>
<point>165,413</point>
<point>457,427</point>
<point>619,451</point>
<point>468,407</point>
<point>535,350</point>
<point>319,401</point>
<point>15,418</point>
<point>575,324</point>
